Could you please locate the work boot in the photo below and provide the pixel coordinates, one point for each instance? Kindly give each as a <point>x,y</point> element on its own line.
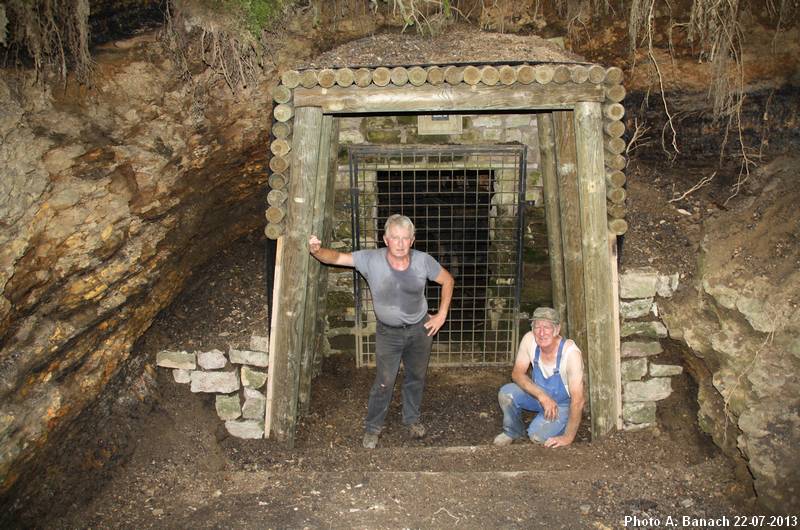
<point>416,431</point>
<point>503,440</point>
<point>370,440</point>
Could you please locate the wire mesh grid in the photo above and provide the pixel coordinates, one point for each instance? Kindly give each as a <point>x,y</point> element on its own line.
<point>467,207</point>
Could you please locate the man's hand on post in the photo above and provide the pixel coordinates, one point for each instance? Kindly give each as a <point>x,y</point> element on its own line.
<point>314,244</point>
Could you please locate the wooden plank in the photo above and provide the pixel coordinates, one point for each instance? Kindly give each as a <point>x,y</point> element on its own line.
<point>284,372</point>
<point>547,157</point>
<point>321,198</point>
<point>604,384</point>
<point>273,326</point>
<point>462,97</point>
<point>566,170</point>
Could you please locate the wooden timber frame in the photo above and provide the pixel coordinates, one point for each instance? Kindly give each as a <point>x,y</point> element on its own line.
<point>582,157</point>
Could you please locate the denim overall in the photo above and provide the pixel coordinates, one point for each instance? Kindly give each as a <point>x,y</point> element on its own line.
<point>513,400</point>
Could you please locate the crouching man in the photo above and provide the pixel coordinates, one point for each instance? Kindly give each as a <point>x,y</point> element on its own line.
<point>554,390</point>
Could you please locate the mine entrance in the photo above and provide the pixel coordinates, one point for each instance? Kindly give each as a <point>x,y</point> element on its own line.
<point>467,206</point>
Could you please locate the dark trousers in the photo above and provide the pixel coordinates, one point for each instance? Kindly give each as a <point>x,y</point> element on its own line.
<point>412,345</point>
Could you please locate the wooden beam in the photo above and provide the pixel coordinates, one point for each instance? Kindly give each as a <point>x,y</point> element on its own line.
<point>311,330</point>
<point>547,156</point>
<point>566,168</point>
<point>326,235</point>
<point>462,97</point>
<point>284,371</point>
<point>273,326</point>
<point>604,383</point>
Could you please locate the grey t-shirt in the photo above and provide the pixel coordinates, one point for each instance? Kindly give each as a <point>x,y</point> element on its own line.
<point>397,296</point>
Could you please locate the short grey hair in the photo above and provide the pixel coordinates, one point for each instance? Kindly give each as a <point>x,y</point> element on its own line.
<point>398,220</point>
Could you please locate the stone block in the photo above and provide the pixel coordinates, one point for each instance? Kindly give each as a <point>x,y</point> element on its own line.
<point>259,343</point>
<point>351,137</point>
<point>252,378</point>
<point>638,284</point>
<point>653,330</point>
<point>493,135</point>
<point>487,121</point>
<point>250,429</point>
<point>211,360</point>
<point>633,369</point>
<point>176,359</point>
<point>519,120</point>
<point>632,427</point>
<point>640,349</point>
<point>635,308</point>
<point>254,404</point>
<point>182,376</point>
<point>513,135</point>
<point>220,382</point>
<point>666,285</point>
<point>651,390</point>
<point>639,412</point>
<point>665,370</point>
<point>228,407</point>
<point>253,358</point>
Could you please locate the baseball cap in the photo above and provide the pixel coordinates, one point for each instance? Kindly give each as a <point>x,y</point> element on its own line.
<point>546,313</point>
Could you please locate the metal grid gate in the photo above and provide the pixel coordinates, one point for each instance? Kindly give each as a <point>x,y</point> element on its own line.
<point>467,208</point>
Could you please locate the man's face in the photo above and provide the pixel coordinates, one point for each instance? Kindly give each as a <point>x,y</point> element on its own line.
<point>398,240</point>
<point>544,332</point>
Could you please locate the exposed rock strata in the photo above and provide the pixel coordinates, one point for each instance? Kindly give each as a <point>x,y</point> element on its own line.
<point>742,320</point>
<point>109,199</point>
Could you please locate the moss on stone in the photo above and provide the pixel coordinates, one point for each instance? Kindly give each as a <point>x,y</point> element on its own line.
<point>410,119</point>
<point>383,136</point>
<point>377,122</point>
<point>434,139</point>
<point>339,299</point>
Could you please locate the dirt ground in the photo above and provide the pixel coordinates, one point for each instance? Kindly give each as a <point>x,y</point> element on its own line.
<point>185,471</point>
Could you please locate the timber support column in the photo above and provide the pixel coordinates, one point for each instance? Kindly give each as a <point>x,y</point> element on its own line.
<point>569,207</point>
<point>604,375</point>
<point>547,155</point>
<point>317,274</point>
<point>283,386</point>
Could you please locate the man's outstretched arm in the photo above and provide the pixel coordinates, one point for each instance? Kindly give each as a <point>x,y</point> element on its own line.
<point>328,256</point>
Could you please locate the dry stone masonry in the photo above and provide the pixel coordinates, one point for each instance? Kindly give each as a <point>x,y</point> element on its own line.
<point>644,382</point>
<point>237,378</point>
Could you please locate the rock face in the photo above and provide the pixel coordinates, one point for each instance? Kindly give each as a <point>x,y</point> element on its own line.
<point>108,200</point>
<point>742,321</point>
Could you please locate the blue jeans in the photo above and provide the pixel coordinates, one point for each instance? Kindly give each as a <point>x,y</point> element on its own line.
<point>412,345</point>
<point>513,400</point>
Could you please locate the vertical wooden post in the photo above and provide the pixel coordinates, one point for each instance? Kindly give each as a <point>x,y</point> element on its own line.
<point>327,235</point>
<point>547,155</point>
<point>603,382</point>
<point>284,372</point>
<point>569,207</point>
<point>311,325</point>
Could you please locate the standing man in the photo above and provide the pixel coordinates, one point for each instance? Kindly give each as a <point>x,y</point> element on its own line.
<point>554,390</point>
<point>397,276</point>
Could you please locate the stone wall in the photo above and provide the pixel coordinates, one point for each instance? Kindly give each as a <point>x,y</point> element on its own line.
<point>644,380</point>
<point>237,379</point>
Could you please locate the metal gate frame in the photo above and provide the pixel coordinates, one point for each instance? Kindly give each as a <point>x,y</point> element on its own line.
<point>417,159</point>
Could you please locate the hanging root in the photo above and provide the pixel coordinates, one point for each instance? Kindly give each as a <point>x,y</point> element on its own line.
<point>53,33</point>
